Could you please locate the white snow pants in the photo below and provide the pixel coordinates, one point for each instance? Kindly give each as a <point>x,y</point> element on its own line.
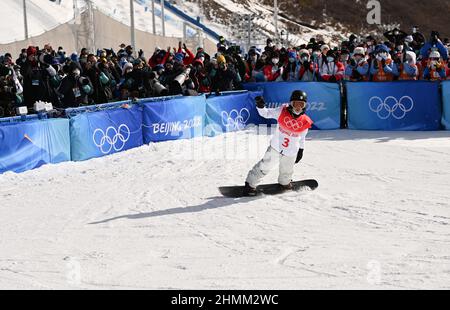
<point>268,163</point>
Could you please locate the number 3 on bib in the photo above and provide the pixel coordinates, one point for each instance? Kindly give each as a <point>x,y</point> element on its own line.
<point>286,142</point>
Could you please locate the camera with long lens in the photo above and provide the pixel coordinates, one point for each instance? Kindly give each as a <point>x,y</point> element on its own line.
<point>158,89</point>
<point>176,86</point>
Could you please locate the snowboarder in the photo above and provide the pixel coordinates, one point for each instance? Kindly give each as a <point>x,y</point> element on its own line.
<point>287,144</point>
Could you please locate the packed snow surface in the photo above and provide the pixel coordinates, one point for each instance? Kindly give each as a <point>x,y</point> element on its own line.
<point>152,217</point>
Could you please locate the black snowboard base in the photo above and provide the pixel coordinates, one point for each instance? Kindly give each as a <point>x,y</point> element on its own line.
<point>269,189</point>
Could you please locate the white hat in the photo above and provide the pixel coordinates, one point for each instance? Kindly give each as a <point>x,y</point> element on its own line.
<point>435,54</point>
<point>413,56</point>
<point>323,47</point>
<point>303,51</point>
<point>359,51</point>
<point>126,66</point>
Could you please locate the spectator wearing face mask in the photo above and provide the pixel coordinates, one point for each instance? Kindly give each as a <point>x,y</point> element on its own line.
<point>332,70</point>
<point>273,70</point>
<point>371,44</point>
<point>309,70</point>
<point>270,46</point>
<point>225,77</point>
<point>250,63</point>
<point>344,57</point>
<point>22,57</point>
<point>435,69</point>
<point>408,69</point>
<point>435,44</point>
<point>201,79</point>
<point>74,89</point>
<point>322,57</point>
<point>358,68</point>
<point>159,57</point>
<point>292,69</point>
<point>383,68</point>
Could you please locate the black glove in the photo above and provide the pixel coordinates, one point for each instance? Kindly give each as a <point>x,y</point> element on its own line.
<point>141,52</point>
<point>260,103</point>
<point>383,63</point>
<point>299,156</point>
<point>353,62</point>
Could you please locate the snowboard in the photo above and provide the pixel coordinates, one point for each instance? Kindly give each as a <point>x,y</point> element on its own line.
<point>269,189</point>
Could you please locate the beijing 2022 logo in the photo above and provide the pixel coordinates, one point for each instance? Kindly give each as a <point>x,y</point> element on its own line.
<point>391,107</point>
<point>235,120</point>
<point>111,139</point>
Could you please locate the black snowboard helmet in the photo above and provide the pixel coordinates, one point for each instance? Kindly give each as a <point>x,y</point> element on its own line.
<point>298,95</point>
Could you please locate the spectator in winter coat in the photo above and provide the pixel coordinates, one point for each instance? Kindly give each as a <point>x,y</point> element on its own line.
<point>344,58</point>
<point>201,78</point>
<point>75,89</point>
<point>187,55</point>
<point>250,63</point>
<point>383,68</point>
<point>7,92</point>
<point>358,69</point>
<point>292,69</point>
<point>273,70</point>
<point>408,69</point>
<point>435,69</point>
<point>432,45</point>
<point>309,70</point>
<point>159,57</point>
<point>331,70</point>
<point>22,57</point>
<point>34,79</point>
<point>224,78</point>
<point>258,72</point>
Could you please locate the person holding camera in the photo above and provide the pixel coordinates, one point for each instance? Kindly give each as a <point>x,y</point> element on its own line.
<point>435,69</point>
<point>409,70</point>
<point>331,70</point>
<point>358,68</point>
<point>383,68</point>
<point>225,77</point>
<point>309,69</point>
<point>435,44</point>
<point>74,89</point>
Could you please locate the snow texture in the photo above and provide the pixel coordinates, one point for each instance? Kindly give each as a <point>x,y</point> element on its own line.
<point>152,217</point>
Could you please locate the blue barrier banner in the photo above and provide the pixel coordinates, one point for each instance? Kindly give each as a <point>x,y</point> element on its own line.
<point>173,119</point>
<point>105,132</point>
<point>394,106</point>
<point>28,145</point>
<point>324,100</point>
<point>446,99</point>
<point>231,112</point>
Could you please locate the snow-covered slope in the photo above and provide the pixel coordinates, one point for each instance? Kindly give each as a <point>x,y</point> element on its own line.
<point>44,15</point>
<point>219,14</point>
<point>152,217</point>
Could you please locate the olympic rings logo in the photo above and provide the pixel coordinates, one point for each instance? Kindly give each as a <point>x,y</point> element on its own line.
<point>391,107</point>
<point>292,123</point>
<point>235,120</point>
<point>111,139</point>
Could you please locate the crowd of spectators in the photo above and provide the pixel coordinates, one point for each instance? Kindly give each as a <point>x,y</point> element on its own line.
<point>46,74</point>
